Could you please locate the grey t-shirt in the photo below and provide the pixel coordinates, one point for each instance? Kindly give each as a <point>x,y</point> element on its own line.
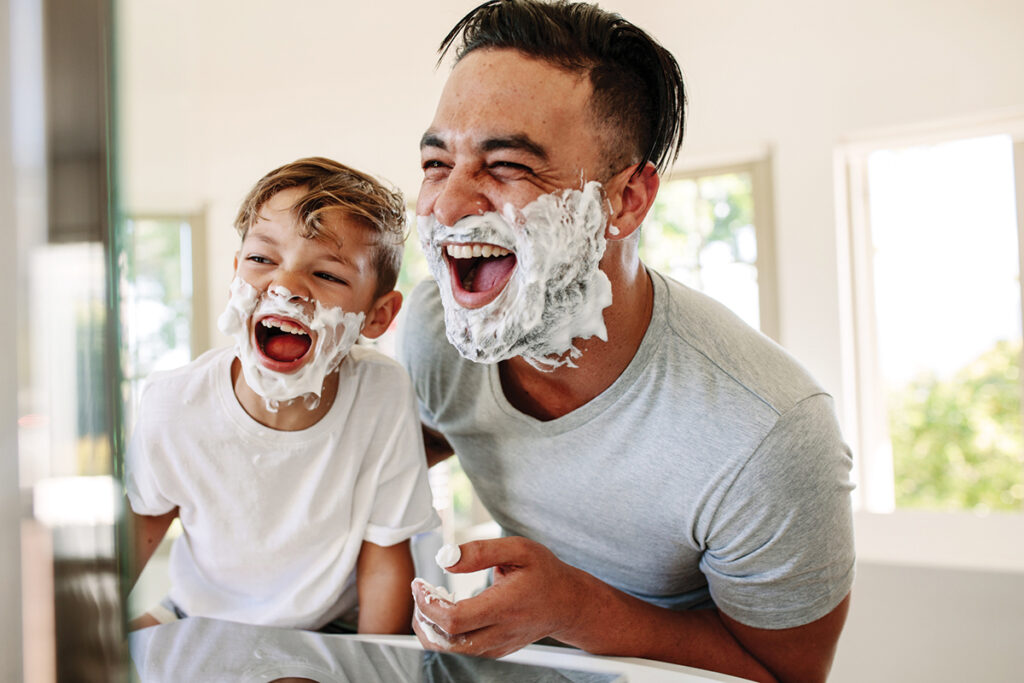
<point>711,470</point>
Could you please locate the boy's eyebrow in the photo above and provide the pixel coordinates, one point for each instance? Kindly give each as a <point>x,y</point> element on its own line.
<point>342,260</point>
<point>260,237</point>
<point>334,256</point>
<point>516,141</point>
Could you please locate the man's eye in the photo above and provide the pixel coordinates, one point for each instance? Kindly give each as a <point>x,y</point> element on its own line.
<point>510,169</point>
<point>432,168</point>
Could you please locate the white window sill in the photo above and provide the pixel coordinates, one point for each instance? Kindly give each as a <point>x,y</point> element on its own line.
<point>954,540</point>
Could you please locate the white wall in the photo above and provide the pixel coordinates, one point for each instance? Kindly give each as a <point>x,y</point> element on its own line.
<point>212,99</point>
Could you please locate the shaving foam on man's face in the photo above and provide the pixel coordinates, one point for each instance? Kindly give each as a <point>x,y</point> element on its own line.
<point>544,260</point>
<point>285,350</point>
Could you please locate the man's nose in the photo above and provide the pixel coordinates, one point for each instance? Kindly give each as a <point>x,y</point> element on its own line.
<point>459,197</point>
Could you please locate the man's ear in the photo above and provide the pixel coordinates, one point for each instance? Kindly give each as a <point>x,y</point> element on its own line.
<point>631,193</point>
<point>381,314</point>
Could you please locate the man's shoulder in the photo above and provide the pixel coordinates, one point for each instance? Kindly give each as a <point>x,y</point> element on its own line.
<point>734,350</point>
<point>421,333</point>
<point>424,302</point>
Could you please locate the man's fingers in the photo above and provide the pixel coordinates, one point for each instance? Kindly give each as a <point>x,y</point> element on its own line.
<point>464,616</point>
<point>495,552</point>
<point>486,642</point>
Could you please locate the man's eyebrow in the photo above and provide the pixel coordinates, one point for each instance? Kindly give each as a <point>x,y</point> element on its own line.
<point>518,141</point>
<point>432,139</point>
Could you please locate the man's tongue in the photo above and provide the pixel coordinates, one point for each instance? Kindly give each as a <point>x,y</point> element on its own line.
<point>489,272</point>
<point>286,347</point>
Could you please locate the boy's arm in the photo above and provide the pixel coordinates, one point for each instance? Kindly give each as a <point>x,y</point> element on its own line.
<point>436,445</point>
<point>147,532</point>
<point>383,576</point>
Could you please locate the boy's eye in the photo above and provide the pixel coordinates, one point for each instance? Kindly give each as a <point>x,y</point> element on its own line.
<point>330,278</point>
<point>256,258</point>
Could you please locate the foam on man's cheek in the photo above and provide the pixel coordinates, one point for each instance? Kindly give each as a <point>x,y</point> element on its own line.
<point>336,331</point>
<point>557,292</point>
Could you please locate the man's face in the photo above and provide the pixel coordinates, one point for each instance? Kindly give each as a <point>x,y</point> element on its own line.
<point>511,135</point>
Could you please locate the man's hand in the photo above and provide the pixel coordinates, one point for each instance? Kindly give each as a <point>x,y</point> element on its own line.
<point>534,595</point>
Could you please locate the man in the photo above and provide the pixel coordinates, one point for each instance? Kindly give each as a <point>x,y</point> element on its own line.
<point>670,483</point>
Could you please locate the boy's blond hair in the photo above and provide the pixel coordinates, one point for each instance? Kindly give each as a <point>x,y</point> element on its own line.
<point>333,186</point>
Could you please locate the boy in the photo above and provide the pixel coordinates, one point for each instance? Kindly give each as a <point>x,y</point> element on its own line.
<point>293,460</point>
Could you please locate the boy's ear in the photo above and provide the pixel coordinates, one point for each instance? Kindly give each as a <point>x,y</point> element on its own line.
<point>381,314</point>
<point>631,196</point>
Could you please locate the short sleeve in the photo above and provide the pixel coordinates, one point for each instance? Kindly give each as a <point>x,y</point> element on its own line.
<point>403,504</point>
<point>780,552</point>
<point>142,482</point>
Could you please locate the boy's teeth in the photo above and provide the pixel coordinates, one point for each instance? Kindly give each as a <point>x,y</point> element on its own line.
<point>476,250</point>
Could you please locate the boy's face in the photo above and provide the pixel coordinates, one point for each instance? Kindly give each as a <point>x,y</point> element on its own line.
<point>301,287</point>
<point>336,270</point>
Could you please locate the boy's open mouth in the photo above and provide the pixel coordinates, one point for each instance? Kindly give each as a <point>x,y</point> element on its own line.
<point>478,272</point>
<point>281,340</point>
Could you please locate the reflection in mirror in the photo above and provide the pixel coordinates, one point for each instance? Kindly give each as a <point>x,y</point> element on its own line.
<point>198,648</point>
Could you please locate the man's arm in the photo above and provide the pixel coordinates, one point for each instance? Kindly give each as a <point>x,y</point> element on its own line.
<point>383,574</point>
<point>436,445</point>
<point>535,595</point>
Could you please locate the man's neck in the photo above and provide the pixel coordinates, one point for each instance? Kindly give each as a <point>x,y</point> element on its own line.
<point>550,395</point>
<point>290,416</point>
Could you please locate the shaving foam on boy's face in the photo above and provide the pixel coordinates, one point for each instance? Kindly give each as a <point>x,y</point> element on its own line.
<point>534,273</point>
<point>287,344</point>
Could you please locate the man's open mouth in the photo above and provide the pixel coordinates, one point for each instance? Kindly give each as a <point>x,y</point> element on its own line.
<point>282,342</point>
<point>478,272</point>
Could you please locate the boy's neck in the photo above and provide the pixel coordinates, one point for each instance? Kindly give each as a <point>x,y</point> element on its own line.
<point>291,417</point>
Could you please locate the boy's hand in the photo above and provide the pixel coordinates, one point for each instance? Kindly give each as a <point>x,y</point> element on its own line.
<point>534,595</point>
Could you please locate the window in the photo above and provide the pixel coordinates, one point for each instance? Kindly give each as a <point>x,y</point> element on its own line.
<point>158,314</point>
<point>710,230</point>
<point>935,318</point>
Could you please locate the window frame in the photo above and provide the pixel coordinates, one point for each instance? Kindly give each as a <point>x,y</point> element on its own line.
<point>760,169</point>
<point>961,539</point>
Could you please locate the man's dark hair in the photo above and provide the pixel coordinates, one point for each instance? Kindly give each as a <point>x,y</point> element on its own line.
<point>637,86</point>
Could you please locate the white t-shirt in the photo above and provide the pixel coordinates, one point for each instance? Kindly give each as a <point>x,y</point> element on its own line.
<point>273,521</point>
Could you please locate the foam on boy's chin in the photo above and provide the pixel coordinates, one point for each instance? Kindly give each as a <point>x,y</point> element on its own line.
<point>336,332</point>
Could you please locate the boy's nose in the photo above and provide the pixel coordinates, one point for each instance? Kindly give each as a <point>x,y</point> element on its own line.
<point>289,285</point>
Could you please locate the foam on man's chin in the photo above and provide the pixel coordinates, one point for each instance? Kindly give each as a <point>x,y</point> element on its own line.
<point>557,292</point>
<point>336,332</point>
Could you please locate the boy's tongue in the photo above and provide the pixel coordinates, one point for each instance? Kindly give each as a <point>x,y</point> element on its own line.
<point>286,347</point>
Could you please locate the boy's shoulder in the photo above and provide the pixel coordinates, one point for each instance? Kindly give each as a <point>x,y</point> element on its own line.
<point>369,361</point>
<point>195,377</point>
<point>376,376</point>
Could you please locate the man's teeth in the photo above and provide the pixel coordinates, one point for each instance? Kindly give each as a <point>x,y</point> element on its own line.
<point>284,326</point>
<point>475,250</point>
